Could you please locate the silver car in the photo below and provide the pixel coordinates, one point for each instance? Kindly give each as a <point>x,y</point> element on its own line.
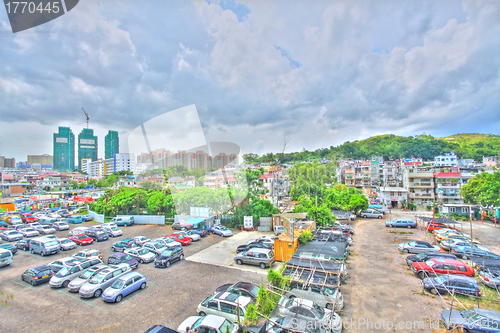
<point>307,309</point>
<point>76,283</point>
<point>261,257</point>
<point>58,264</point>
<point>29,232</point>
<point>490,277</point>
<point>11,235</point>
<point>45,230</point>
<point>142,255</point>
<point>372,213</point>
<point>191,234</point>
<point>102,280</point>
<point>66,244</point>
<point>60,226</point>
<point>66,274</point>
<point>325,297</point>
<point>417,247</point>
<point>112,231</point>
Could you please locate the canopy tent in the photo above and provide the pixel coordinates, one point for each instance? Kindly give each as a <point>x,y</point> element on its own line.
<point>322,250</point>
<point>322,265</point>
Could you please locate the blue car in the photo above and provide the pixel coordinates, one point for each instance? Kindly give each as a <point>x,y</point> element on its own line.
<point>221,230</point>
<point>401,223</point>
<point>443,284</point>
<point>10,247</point>
<point>124,286</point>
<point>75,219</point>
<point>475,320</point>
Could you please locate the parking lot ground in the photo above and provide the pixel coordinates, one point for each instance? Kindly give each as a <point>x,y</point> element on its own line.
<point>223,252</point>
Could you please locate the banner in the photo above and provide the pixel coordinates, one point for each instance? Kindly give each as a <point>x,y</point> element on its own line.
<point>248,222</point>
<point>82,199</point>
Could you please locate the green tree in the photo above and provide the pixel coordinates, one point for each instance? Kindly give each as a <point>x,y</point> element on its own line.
<point>92,181</point>
<point>322,215</point>
<point>150,185</point>
<point>73,184</point>
<point>483,189</point>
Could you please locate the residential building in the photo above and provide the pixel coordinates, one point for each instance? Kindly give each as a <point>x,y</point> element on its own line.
<point>87,146</point>
<point>491,161</point>
<point>111,144</point>
<point>447,188</point>
<point>64,149</point>
<point>392,196</point>
<point>44,159</point>
<point>446,160</point>
<point>86,165</point>
<point>101,168</point>
<point>420,184</point>
<point>123,162</point>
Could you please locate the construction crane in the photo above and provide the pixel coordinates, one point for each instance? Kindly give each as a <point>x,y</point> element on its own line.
<point>87,115</point>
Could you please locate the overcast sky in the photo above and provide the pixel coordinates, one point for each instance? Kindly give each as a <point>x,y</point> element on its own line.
<point>320,72</point>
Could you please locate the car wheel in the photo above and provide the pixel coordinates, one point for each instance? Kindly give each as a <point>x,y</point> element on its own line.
<point>32,251</point>
<point>434,291</point>
<point>409,227</point>
<point>464,257</point>
<point>181,257</point>
<point>143,285</point>
<point>329,306</point>
<point>113,249</point>
<point>421,274</point>
<point>406,251</point>
<point>118,298</point>
<point>97,293</point>
<point>41,253</point>
<point>292,297</point>
<point>65,283</point>
<point>33,283</point>
<point>239,262</point>
<point>141,261</point>
<point>167,264</point>
<point>379,217</point>
<point>202,314</point>
<point>262,265</point>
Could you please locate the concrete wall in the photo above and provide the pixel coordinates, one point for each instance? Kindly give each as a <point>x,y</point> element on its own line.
<point>97,217</point>
<point>147,219</point>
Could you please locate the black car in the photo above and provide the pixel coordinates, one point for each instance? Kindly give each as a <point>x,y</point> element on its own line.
<point>4,224</point>
<point>464,252</point>
<point>23,244</point>
<point>37,275</point>
<point>421,257</point>
<point>444,284</point>
<point>485,262</point>
<point>241,288</point>
<point>168,256</point>
<point>246,247</point>
<point>97,235</point>
<point>160,329</point>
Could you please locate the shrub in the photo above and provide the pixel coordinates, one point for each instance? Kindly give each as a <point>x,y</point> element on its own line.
<point>305,237</point>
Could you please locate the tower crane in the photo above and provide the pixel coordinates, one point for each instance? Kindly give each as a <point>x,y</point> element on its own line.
<point>87,115</point>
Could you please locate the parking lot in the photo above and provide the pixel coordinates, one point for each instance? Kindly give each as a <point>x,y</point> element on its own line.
<point>172,294</point>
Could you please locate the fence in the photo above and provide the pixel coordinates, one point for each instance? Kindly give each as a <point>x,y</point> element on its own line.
<point>146,219</point>
<point>97,217</point>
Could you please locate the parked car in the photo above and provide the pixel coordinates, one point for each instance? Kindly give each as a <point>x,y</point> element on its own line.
<point>141,240</point>
<point>241,288</point>
<point>475,320</point>
<point>28,218</point>
<point>225,305</point>
<point>23,244</point>
<point>29,232</point>
<point>169,256</point>
<point>123,221</point>
<point>124,286</point>
<point>66,244</point>
<point>247,247</point>
<point>78,231</point>
<point>64,214</point>
<point>401,223</point>
<point>54,215</point>
<point>121,245</point>
<point>123,258</point>
<point>191,234</point>
<point>169,242</point>
<point>261,257</point>
<point>269,240</point>
<point>208,324</point>
<point>37,275</point>
<point>76,283</point>
<point>102,280</point>
<point>9,247</point>
<point>60,226</point>
<point>75,219</point>
<point>6,257</point>
<point>490,277</point>
<point>142,255</point>
<point>323,296</point>
<point>45,230</point>
<point>184,240</point>
<point>421,257</point>
<point>44,245</point>
<point>64,276</point>
<point>449,244</point>
<point>160,329</point>
<point>431,226</point>
<point>87,254</point>
<point>464,252</point>
<point>293,324</point>
<point>307,309</point>
<point>455,284</point>
<point>181,226</point>
<point>372,213</point>
<point>221,231</point>
<point>278,230</point>
<point>435,266</point>
<point>155,246</point>
<point>11,235</point>
<point>97,235</point>
<point>441,236</point>
<point>58,264</point>
<point>417,247</point>
<point>112,231</point>
<point>81,239</point>
<point>13,220</point>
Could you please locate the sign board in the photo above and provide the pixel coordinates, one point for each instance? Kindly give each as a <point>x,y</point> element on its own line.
<point>199,212</point>
<point>248,222</point>
<point>288,227</point>
<point>82,199</point>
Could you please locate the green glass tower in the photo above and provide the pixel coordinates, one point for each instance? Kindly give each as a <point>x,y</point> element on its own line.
<point>87,146</point>
<point>64,149</point>
<point>111,144</point>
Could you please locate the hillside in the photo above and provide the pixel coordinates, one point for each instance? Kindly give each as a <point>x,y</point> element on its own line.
<point>465,145</point>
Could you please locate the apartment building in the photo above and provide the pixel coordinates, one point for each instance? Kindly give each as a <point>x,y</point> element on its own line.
<point>420,184</point>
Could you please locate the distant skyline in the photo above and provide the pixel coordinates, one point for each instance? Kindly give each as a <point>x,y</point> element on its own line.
<point>320,73</point>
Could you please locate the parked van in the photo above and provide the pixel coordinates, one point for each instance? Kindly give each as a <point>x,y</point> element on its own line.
<point>5,257</point>
<point>278,229</point>
<point>44,246</point>
<point>123,220</point>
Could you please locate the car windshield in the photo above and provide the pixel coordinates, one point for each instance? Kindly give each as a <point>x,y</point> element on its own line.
<point>118,284</point>
<point>81,236</point>
<point>52,243</point>
<point>421,255</point>
<point>412,243</point>
<point>142,252</point>
<point>29,230</point>
<point>440,279</point>
<point>320,312</point>
<point>4,255</point>
<point>167,253</point>
<point>329,291</point>
<point>63,272</point>
<point>115,228</point>
<point>429,263</point>
<point>226,326</point>
<point>88,273</point>
<point>471,316</point>
<point>159,245</point>
<point>254,291</point>
<point>114,260</point>
<point>96,279</point>
<point>223,228</point>
<point>65,241</point>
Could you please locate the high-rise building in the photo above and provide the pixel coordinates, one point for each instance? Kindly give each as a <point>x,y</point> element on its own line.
<point>64,149</point>
<point>87,146</point>
<point>44,159</point>
<point>111,144</point>
<point>124,162</point>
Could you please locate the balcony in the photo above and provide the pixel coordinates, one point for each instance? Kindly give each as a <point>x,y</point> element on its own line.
<point>430,184</point>
<point>449,195</point>
<point>422,195</point>
<point>448,185</point>
<point>421,174</point>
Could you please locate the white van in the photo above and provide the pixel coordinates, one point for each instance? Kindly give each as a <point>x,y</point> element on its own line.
<point>44,246</point>
<point>278,229</point>
<point>5,257</point>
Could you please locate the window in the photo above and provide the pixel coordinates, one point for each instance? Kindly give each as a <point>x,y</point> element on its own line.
<point>465,209</point>
<point>129,283</point>
<point>450,267</point>
<point>116,273</point>
<point>213,305</point>
<point>227,308</point>
<point>452,209</point>
<point>462,269</point>
<point>86,264</point>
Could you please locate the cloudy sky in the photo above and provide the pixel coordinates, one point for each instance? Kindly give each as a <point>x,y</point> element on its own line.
<point>319,72</point>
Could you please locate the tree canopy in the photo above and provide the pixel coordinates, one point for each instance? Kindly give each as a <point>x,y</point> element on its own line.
<point>483,189</point>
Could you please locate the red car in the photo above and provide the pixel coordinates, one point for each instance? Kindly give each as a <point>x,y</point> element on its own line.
<point>179,238</point>
<point>81,239</point>
<point>3,229</point>
<point>28,218</point>
<point>431,226</point>
<point>436,266</point>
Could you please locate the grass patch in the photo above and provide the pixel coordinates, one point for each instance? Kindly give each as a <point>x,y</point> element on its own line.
<point>5,298</point>
<point>488,300</point>
<point>83,212</point>
<point>392,231</point>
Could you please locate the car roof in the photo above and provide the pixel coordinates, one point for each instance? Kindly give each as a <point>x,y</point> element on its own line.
<point>303,302</point>
<point>212,321</point>
<point>488,313</point>
<point>129,275</point>
<point>447,261</point>
<point>118,254</point>
<point>244,285</point>
<point>422,242</point>
<point>4,250</point>
<point>40,268</point>
<point>460,277</point>
<point>258,249</point>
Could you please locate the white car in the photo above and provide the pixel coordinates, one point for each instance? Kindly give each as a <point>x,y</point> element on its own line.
<point>112,231</point>
<point>269,240</point>
<point>78,231</point>
<point>219,304</point>
<point>210,323</point>
<point>11,235</point>
<point>306,309</point>
<point>54,215</point>
<point>193,235</point>
<point>141,240</point>
<point>29,232</point>
<point>66,244</point>
<point>45,230</point>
